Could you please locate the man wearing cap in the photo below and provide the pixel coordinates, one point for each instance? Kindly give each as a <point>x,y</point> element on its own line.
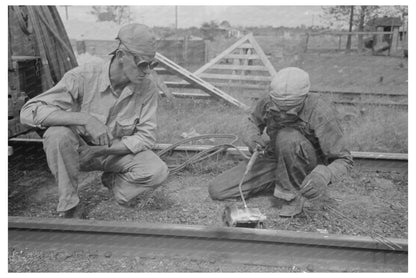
<point>306,150</point>
<point>102,116</point>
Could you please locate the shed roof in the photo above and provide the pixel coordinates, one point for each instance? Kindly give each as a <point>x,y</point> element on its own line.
<point>385,21</point>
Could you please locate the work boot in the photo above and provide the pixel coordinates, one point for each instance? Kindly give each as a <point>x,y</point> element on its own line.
<point>292,208</point>
<point>107,179</point>
<point>77,212</point>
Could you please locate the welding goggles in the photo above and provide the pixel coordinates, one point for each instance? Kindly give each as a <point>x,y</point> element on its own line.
<point>141,62</point>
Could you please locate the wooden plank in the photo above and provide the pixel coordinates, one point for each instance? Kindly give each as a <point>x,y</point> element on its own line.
<point>263,56</point>
<point>184,85</point>
<point>201,84</point>
<point>188,95</point>
<point>221,55</point>
<point>180,85</point>
<point>245,45</point>
<point>235,77</point>
<point>242,56</point>
<point>261,87</point>
<point>236,67</point>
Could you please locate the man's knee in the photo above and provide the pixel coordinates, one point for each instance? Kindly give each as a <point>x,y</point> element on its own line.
<point>159,174</point>
<point>57,136</point>
<point>214,193</point>
<point>140,180</point>
<point>288,141</point>
<point>153,175</point>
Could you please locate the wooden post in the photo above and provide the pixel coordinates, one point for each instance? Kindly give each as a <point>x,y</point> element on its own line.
<point>379,37</point>
<point>306,42</point>
<point>339,42</point>
<point>185,50</point>
<point>395,39</point>
<point>205,51</point>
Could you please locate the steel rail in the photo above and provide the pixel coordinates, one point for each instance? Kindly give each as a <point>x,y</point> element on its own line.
<point>368,161</point>
<point>325,252</point>
<point>336,102</point>
<point>185,85</point>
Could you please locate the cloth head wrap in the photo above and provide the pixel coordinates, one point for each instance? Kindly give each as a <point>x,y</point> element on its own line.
<point>289,87</point>
<point>138,39</point>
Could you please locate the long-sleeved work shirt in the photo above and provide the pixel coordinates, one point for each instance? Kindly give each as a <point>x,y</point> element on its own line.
<point>316,120</point>
<point>131,116</point>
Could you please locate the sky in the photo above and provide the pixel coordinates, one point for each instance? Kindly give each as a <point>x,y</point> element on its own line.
<point>188,16</point>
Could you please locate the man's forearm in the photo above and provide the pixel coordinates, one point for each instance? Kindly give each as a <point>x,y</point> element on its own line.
<point>64,118</point>
<point>116,148</point>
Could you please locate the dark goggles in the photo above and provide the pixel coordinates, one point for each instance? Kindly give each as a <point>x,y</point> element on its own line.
<point>140,62</point>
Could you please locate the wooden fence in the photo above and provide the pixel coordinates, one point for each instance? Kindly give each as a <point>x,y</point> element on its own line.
<point>182,51</point>
<point>392,44</point>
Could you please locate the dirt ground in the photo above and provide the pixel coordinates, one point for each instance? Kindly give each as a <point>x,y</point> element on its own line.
<point>34,260</point>
<point>378,201</point>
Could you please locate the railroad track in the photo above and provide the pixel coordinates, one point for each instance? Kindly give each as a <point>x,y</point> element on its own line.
<point>317,251</point>
<point>322,252</point>
<point>365,161</point>
<point>396,100</point>
<point>337,101</point>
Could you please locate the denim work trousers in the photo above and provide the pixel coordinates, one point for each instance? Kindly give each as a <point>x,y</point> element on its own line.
<point>294,157</point>
<point>126,175</point>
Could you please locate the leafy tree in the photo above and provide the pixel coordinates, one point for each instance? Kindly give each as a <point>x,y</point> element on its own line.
<point>225,24</point>
<point>357,16</point>
<point>210,29</point>
<point>118,14</point>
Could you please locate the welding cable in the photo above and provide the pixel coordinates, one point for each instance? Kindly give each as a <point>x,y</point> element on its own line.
<point>381,239</point>
<point>215,149</point>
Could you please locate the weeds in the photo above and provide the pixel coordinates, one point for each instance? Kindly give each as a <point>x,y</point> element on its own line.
<point>373,129</point>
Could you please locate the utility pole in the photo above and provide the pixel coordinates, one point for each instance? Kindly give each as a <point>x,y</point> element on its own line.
<point>176,17</point>
<point>66,13</point>
<point>350,28</point>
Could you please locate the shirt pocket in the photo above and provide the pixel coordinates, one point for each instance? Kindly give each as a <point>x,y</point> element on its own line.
<point>126,127</point>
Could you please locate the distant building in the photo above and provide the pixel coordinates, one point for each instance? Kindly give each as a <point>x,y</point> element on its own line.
<point>182,37</point>
<point>211,31</point>
<point>386,24</point>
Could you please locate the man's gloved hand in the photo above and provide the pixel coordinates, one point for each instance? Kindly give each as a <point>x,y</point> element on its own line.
<point>314,184</point>
<point>254,141</point>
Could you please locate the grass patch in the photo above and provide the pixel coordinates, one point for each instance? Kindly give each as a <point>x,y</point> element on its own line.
<point>371,129</point>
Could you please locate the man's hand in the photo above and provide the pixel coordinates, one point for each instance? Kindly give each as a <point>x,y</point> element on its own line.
<point>98,132</point>
<point>87,153</point>
<point>255,141</point>
<point>314,184</point>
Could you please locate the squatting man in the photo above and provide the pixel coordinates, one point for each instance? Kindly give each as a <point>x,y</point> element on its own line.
<point>305,152</point>
<point>102,116</point>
